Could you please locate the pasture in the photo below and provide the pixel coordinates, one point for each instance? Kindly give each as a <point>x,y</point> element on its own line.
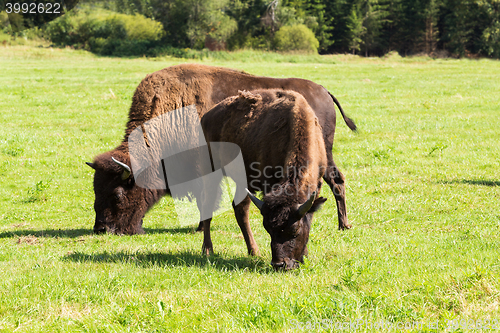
<point>423,195</point>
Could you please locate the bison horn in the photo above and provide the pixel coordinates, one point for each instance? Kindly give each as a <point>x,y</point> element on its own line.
<point>307,205</point>
<point>255,200</point>
<point>126,168</point>
<point>90,165</point>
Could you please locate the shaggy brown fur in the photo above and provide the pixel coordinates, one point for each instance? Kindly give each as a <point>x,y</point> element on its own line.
<point>118,201</point>
<point>285,158</point>
<point>204,86</point>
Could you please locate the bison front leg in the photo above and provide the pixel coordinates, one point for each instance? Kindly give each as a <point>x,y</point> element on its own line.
<point>207,248</point>
<point>336,180</point>
<point>241,212</point>
<point>208,198</point>
<point>199,203</point>
<point>200,226</point>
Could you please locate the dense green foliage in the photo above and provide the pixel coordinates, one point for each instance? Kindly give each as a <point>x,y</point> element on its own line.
<point>422,193</point>
<point>106,33</point>
<point>375,27</point>
<point>367,27</point>
<point>296,37</point>
<point>370,27</point>
<point>28,16</point>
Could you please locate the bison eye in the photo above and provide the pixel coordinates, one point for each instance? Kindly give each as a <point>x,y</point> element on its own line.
<point>295,228</point>
<point>118,195</point>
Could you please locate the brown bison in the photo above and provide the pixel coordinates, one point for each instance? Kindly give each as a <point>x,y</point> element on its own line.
<point>120,204</point>
<point>284,156</point>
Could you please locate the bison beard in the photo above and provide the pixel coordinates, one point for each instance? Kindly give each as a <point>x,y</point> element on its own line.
<point>120,204</point>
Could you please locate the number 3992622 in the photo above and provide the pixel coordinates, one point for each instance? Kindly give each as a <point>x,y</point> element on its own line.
<point>33,8</point>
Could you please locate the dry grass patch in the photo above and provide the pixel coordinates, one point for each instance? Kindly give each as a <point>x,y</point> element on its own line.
<point>29,240</point>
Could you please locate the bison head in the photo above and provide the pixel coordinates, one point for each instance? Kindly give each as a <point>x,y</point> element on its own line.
<point>289,226</point>
<point>119,203</point>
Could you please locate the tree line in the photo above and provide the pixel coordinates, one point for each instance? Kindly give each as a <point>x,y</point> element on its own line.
<point>365,27</point>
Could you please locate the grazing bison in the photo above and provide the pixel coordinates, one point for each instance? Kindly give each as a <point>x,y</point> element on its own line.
<point>120,204</point>
<point>284,156</point>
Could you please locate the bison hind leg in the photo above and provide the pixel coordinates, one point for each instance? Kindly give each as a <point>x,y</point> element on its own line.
<point>336,180</point>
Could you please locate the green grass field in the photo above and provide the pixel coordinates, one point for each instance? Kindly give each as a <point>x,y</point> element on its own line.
<point>423,191</point>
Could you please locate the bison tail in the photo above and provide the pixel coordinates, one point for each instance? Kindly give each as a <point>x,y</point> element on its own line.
<point>350,123</point>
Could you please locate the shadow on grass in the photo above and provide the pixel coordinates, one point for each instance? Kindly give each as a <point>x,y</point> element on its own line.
<point>180,230</point>
<point>187,259</point>
<point>482,182</point>
<point>75,233</point>
<point>66,233</point>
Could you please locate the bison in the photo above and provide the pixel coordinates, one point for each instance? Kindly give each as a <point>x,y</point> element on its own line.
<point>284,156</point>
<point>120,204</point>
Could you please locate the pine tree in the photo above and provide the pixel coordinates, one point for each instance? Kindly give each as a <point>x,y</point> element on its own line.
<point>322,31</point>
<point>356,29</point>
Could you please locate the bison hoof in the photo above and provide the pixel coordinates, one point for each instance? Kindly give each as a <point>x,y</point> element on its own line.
<point>345,226</point>
<point>254,252</point>
<point>208,251</point>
